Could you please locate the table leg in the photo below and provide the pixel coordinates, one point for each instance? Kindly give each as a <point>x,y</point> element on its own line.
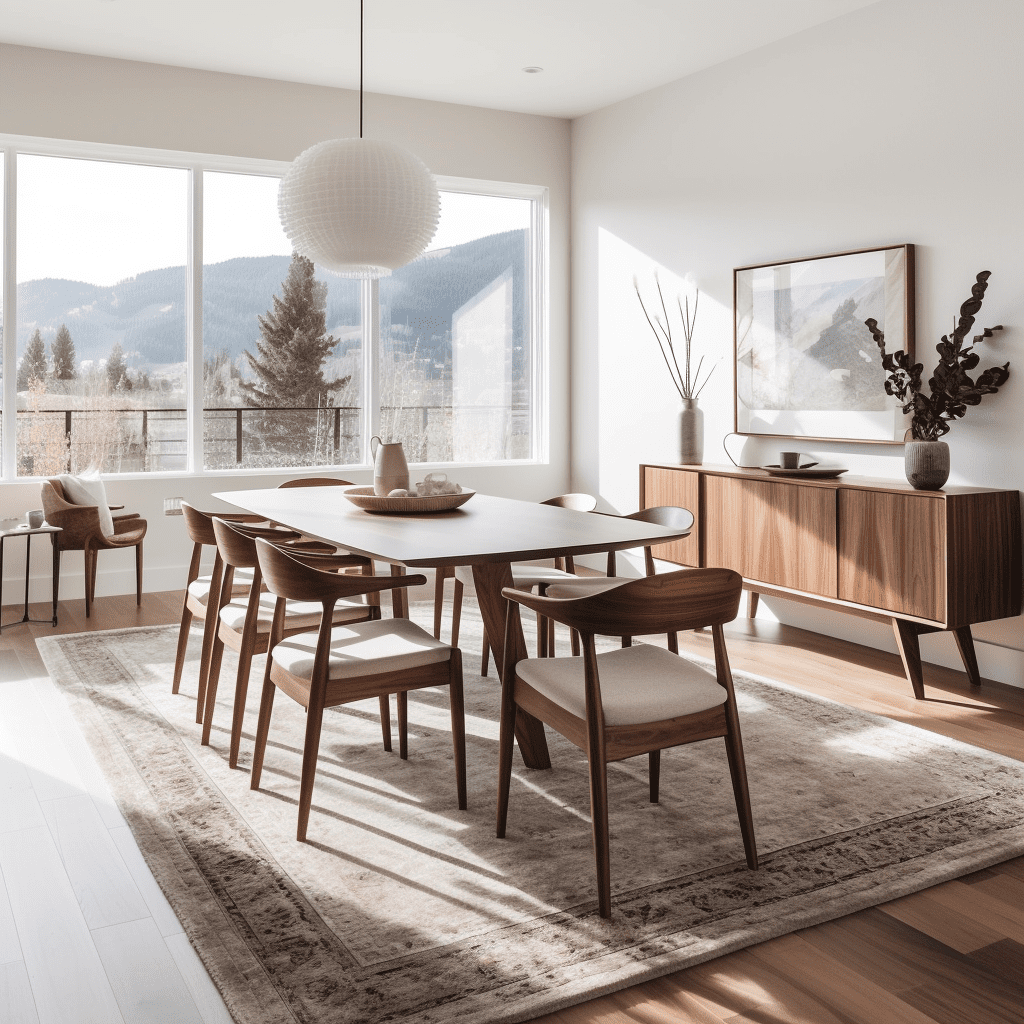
<point>489,579</point>
<point>56,573</point>
<point>28,571</point>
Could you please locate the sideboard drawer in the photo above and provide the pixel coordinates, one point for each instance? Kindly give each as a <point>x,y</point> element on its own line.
<point>772,531</point>
<point>892,552</point>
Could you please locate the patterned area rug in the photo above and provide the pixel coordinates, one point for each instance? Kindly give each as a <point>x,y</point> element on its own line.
<point>401,908</point>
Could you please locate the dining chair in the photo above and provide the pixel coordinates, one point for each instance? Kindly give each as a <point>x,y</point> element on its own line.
<point>336,665</point>
<point>243,624</point>
<point>671,516</point>
<point>196,603</point>
<point>525,576</point>
<point>630,701</point>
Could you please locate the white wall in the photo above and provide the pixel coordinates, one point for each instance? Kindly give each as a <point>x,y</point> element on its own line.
<point>897,123</point>
<point>57,95</point>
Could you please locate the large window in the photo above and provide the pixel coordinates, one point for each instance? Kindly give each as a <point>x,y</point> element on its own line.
<point>161,323</point>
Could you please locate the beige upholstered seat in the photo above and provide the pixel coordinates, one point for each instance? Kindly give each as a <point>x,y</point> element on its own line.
<point>298,614</point>
<point>638,684</point>
<point>363,649</point>
<point>632,701</point>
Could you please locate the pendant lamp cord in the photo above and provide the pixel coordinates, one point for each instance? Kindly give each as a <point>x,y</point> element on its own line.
<point>360,68</point>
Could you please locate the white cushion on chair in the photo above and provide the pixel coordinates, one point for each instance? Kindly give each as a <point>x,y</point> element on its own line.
<point>199,588</point>
<point>298,615</point>
<point>364,649</point>
<point>638,684</point>
<point>587,586</point>
<point>89,490</point>
<point>524,576</point>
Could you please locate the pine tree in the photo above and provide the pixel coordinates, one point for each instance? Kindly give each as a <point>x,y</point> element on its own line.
<point>63,352</point>
<point>294,346</point>
<point>33,363</point>
<point>117,370</point>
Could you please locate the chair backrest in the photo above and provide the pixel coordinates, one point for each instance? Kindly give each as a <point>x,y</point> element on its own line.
<point>667,603</point>
<point>286,575</point>
<point>236,543</point>
<point>316,481</point>
<point>48,490</point>
<point>671,516</point>
<point>577,502</point>
<point>199,524</point>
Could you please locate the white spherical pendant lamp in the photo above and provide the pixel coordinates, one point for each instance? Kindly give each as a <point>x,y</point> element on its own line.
<point>359,207</point>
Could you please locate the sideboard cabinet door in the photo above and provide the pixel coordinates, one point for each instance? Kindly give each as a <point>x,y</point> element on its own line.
<point>681,488</point>
<point>779,533</point>
<point>892,552</point>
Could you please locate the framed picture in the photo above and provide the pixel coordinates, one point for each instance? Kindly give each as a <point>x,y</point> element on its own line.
<point>806,364</point>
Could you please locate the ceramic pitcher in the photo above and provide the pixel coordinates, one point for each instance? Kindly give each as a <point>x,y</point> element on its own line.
<point>390,470</point>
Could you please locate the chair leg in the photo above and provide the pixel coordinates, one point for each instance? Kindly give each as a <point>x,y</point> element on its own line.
<point>385,719</point>
<point>506,733</point>
<point>441,574</point>
<point>542,636</point>
<point>403,724</point>
<point>654,771</point>
<point>138,573</point>
<point>179,657</point>
<point>673,642</point>
<point>399,598</point>
<point>262,728</point>
<point>574,642</point>
<point>310,751</point>
<point>238,711</point>
<point>455,697</point>
<point>599,816</point>
<point>551,637</point>
<point>457,611</point>
<point>204,707</point>
<point>485,652</point>
<point>88,577</point>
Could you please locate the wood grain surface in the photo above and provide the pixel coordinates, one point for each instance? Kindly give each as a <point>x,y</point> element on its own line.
<point>680,488</point>
<point>774,531</point>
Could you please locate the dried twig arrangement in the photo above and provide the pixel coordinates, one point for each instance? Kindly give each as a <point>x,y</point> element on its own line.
<point>686,386</point>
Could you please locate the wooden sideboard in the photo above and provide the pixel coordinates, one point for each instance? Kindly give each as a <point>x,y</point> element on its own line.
<point>923,560</point>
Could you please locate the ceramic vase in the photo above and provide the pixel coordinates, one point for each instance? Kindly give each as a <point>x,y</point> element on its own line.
<point>390,470</point>
<point>691,433</point>
<point>926,464</point>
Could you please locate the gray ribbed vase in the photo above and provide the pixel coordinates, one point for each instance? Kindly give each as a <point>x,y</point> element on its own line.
<point>927,464</point>
<point>691,433</point>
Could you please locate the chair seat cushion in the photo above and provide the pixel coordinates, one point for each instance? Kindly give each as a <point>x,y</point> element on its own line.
<point>586,586</point>
<point>364,649</point>
<point>199,588</point>
<point>638,684</point>
<point>524,575</point>
<point>298,615</point>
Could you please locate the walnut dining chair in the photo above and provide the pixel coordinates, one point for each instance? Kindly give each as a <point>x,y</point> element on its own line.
<point>630,701</point>
<point>336,665</point>
<point>198,588</point>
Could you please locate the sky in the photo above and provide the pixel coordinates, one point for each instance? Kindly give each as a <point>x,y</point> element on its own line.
<point>101,222</point>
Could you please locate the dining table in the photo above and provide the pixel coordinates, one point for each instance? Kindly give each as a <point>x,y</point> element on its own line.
<point>487,533</point>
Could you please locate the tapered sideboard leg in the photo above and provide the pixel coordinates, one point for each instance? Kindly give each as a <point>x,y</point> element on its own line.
<point>910,651</point>
<point>965,642</point>
<point>752,598</point>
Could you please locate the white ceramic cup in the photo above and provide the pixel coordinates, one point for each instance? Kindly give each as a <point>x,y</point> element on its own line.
<point>36,518</point>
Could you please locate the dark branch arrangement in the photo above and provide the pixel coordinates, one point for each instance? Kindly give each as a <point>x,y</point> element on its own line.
<point>951,389</point>
<point>684,384</point>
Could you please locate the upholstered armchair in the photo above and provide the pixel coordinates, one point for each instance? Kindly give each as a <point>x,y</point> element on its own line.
<point>81,531</point>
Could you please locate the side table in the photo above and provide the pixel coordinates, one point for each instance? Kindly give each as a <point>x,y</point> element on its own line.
<point>20,528</point>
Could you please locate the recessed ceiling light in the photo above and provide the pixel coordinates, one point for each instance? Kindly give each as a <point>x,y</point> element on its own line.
<point>533,71</point>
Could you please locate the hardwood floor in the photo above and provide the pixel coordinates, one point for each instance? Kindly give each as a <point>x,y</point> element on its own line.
<point>86,935</point>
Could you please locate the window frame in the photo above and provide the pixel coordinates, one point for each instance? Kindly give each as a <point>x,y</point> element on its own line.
<point>196,163</point>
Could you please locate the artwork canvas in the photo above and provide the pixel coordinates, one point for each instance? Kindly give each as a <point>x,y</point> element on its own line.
<point>806,365</point>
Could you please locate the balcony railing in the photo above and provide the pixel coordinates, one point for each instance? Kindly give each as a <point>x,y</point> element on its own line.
<point>155,439</point>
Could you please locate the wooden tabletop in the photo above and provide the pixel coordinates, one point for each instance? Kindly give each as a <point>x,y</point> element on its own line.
<point>485,529</point>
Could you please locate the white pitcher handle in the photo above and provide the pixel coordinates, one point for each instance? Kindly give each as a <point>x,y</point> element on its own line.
<point>379,440</point>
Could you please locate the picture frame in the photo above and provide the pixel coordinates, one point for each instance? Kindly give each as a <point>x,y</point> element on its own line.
<point>805,365</point>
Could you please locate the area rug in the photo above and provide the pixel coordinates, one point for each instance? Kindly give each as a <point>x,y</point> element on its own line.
<point>401,908</point>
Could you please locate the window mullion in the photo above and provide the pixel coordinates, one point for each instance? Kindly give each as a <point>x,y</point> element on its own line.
<point>10,337</point>
<point>194,389</point>
<point>371,363</point>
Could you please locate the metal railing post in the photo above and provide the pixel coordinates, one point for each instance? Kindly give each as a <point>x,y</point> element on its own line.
<point>238,436</point>
<point>67,434</point>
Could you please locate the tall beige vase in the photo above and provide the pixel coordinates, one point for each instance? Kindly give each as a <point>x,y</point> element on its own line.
<point>691,433</point>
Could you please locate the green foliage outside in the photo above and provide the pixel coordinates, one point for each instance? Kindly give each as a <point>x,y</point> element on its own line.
<point>63,352</point>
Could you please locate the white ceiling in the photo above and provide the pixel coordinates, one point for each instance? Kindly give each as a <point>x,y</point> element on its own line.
<point>593,52</point>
